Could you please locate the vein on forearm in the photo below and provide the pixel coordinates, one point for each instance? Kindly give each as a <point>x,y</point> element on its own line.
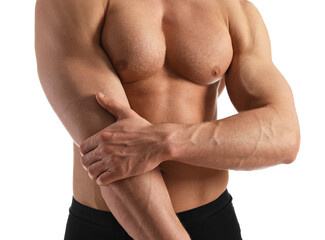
<point>245,141</point>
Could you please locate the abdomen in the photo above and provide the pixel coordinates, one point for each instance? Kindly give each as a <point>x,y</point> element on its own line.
<point>167,98</point>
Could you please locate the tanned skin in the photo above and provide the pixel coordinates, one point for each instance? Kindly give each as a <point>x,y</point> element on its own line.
<point>153,146</point>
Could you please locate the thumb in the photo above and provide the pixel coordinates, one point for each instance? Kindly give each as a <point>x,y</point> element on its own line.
<point>115,108</point>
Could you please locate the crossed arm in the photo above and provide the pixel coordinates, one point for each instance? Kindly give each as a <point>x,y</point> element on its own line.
<point>264,133</point>
<point>72,67</point>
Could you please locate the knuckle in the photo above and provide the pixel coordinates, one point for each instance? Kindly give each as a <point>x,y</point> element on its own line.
<point>106,149</point>
<point>99,152</point>
<point>103,136</point>
<point>102,151</point>
<point>105,178</point>
<point>104,163</point>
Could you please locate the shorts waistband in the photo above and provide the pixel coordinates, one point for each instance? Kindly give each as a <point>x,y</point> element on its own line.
<point>107,218</point>
<point>205,210</point>
<point>92,215</point>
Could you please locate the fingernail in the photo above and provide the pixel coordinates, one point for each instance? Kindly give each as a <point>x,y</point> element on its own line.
<point>100,94</point>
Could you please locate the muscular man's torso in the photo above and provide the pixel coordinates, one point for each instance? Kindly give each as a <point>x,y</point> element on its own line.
<point>171,56</point>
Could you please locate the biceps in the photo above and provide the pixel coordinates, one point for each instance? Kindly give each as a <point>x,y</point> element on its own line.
<point>254,82</point>
<point>72,66</point>
<point>70,85</point>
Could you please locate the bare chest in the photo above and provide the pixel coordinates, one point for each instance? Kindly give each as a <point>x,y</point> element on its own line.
<point>190,38</point>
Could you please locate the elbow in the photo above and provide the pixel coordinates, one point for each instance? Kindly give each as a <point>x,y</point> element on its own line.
<point>287,136</point>
<point>292,146</point>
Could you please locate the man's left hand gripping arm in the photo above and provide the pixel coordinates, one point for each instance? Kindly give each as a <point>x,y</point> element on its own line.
<point>264,133</point>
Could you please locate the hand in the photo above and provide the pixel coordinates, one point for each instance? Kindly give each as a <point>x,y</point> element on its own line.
<point>129,147</point>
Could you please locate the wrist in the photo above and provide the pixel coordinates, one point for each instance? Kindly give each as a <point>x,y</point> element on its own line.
<point>175,139</point>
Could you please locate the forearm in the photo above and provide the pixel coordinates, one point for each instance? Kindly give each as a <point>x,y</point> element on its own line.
<point>160,220</point>
<point>143,207</point>
<point>249,140</point>
<point>141,204</point>
<point>123,197</point>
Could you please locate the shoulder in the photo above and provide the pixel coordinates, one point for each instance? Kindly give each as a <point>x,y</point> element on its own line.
<point>242,13</point>
<point>242,7</point>
<point>70,10</point>
<point>68,22</point>
<point>249,11</point>
<point>246,25</point>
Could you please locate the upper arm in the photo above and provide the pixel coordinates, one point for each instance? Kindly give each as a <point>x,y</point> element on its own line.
<point>252,80</point>
<point>72,65</point>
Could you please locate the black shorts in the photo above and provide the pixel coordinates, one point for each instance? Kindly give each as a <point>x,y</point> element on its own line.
<point>214,220</point>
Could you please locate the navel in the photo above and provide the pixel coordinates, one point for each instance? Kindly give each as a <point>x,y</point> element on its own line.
<point>121,65</point>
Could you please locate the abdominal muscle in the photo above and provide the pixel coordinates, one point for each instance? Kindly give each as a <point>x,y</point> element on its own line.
<point>167,98</point>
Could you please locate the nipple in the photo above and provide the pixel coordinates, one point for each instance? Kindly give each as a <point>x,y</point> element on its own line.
<point>122,65</point>
<point>215,71</point>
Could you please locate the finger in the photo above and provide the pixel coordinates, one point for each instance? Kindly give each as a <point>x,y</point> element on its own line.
<point>88,145</point>
<point>117,137</point>
<point>90,158</point>
<point>108,177</point>
<point>98,168</point>
<point>117,109</point>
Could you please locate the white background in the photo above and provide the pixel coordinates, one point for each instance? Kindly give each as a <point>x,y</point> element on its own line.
<point>283,202</point>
